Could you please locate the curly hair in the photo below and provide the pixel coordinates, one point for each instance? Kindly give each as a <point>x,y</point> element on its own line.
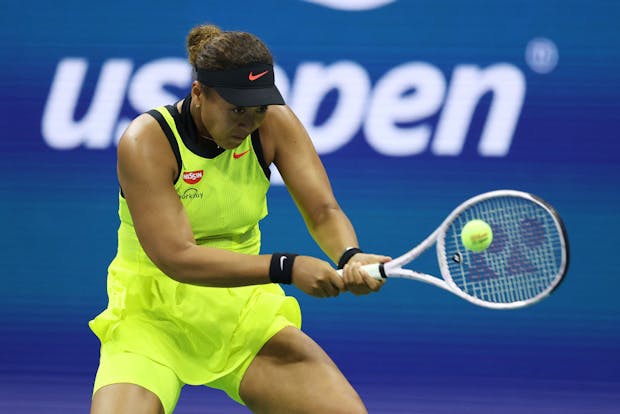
<point>211,48</point>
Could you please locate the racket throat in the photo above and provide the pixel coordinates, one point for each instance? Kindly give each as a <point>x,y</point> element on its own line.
<point>381,269</point>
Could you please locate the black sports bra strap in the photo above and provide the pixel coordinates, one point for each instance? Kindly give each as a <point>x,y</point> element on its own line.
<point>170,135</point>
<point>258,149</point>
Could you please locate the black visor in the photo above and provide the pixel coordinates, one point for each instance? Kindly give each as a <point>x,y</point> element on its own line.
<point>251,85</point>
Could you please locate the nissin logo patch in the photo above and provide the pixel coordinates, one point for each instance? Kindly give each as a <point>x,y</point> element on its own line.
<point>192,177</point>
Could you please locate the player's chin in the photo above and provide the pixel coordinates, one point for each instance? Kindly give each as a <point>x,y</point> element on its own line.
<point>237,139</point>
<point>231,144</point>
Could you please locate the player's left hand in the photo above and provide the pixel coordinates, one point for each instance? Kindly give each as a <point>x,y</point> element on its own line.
<point>356,279</point>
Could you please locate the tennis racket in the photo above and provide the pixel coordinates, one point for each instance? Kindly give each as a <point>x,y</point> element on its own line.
<point>525,262</point>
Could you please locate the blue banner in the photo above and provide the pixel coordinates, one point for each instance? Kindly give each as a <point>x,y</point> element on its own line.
<point>413,107</point>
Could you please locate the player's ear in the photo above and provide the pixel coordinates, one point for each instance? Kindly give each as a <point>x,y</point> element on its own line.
<point>197,90</point>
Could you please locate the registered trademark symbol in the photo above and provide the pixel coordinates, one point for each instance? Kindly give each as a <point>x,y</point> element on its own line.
<point>541,55</point>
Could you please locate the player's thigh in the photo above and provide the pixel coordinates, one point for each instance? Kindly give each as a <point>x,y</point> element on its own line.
<point>125,398</point>
<point>127,382</point>
<point>292,374</point>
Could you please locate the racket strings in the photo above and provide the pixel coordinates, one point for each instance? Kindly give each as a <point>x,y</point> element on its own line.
<point>523,260</point>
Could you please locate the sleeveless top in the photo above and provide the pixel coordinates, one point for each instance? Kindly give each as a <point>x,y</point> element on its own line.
<point>200,332</point>
<point>222,191</point>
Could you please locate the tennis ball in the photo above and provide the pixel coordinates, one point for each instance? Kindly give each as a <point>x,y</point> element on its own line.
<point>476,235</point>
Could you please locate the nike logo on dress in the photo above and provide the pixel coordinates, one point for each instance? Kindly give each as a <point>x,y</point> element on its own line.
<point>241,154</point>
<point>252,77</point>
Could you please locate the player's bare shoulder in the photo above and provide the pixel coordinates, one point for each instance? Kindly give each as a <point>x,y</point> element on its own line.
<point>280,129</point>
<point>279,118</point>
<point>144,143</point>
<point>142,131</point>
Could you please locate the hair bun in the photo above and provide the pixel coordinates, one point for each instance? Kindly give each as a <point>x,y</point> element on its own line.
<point>198,37</point>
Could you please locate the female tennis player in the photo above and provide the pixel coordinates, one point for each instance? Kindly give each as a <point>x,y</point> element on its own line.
<point>191,300</point>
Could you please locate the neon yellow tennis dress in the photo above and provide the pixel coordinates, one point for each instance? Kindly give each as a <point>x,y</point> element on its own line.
<point>202,334</point>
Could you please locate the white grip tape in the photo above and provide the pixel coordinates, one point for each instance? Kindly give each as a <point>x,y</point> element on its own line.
<point>372,269</point>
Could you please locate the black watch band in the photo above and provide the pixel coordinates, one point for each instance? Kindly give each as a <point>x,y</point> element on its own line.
<point>347,255</point>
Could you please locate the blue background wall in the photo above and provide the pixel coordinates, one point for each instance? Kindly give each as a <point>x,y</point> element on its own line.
<point>412,348</point>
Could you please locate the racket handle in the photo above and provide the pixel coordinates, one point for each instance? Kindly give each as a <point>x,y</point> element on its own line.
<point>375,270</point>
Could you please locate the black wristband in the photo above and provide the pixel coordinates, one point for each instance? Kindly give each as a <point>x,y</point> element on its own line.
<point>347,255</point>
<point>281,268</point>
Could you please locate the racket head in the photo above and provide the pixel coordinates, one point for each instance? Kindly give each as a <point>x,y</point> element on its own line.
<point>526,261</point>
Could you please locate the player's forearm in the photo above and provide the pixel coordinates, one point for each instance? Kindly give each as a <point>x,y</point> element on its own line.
<point>206,266</point>
<point>333,231</point>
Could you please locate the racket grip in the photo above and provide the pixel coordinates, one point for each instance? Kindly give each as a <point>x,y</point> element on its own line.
<point>374,270</point>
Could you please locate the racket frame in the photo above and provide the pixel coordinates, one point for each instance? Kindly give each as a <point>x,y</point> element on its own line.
<point>394,268</point>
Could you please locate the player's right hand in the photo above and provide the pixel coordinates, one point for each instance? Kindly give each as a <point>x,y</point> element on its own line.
<point>316,277</point>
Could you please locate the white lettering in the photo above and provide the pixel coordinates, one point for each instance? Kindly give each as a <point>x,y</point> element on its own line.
<point>282,82</point>
<point>541,55</point>
<point>312,83</point>
<point>391,104</point>
<point>94,130</point>
<point>351,4</point>
<point>469,84</point>
<point>396,116</point>
<point>192,175</point>
<point>147,87</point>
